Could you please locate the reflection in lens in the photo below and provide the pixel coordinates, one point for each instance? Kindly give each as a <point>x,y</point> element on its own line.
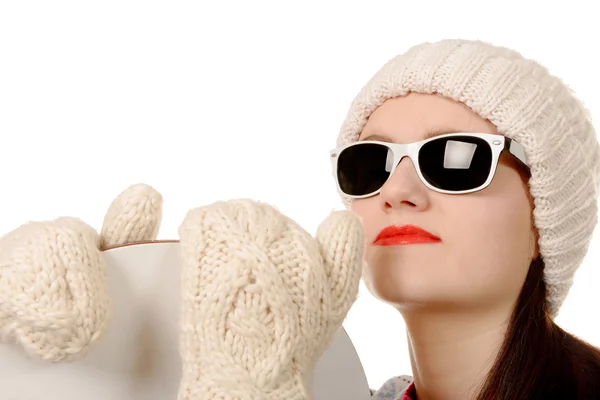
<point>456,163</point>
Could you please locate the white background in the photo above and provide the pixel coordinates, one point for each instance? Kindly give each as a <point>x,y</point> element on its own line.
<point>210,101</point>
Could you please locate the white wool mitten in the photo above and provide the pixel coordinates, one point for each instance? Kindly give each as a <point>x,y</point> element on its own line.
<point>53,282</point>
<point>261,299</point>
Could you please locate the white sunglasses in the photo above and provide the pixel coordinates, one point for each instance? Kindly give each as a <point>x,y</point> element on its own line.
<point>453,163</point>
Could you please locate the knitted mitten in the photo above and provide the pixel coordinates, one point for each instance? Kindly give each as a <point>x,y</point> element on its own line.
<point>53,282</point>
<point>261,299</point>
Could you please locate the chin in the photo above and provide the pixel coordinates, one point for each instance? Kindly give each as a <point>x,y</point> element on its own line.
<point>406,291</point>
<point>394,293</point>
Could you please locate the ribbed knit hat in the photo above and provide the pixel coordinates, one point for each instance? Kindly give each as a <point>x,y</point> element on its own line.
<point>527,104</point>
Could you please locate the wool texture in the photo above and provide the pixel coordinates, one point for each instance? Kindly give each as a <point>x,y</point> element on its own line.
<point>53,280</point>
<point>261,299</point>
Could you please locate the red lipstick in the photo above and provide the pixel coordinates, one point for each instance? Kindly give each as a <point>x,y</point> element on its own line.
<point>406,234</point>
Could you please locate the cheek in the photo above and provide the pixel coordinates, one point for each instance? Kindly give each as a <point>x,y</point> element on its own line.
<point>490,248</point>
<point>376,269</point>
<point>367,210</point>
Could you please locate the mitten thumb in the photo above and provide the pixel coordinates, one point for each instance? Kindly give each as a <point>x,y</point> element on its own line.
<point>134,216</point>
<point>341,240</point>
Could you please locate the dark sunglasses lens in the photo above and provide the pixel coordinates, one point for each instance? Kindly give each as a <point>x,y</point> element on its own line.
<point>361,169</point>
<point>456,163</point>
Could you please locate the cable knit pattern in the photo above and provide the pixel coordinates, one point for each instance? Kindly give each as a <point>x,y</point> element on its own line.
<point>53,282</point>
<point>261,299</point>
<point>53,293</point>
<point>527,104</point>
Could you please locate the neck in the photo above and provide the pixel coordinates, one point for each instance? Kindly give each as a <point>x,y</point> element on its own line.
<point>452,352</point>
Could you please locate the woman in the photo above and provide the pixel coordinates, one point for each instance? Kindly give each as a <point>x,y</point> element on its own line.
<point>475,236</point>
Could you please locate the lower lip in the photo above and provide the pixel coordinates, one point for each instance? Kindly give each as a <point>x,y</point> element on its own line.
<point>405,239</point>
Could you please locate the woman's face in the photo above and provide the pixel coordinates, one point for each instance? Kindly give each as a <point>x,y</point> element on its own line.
<point>487,237</point>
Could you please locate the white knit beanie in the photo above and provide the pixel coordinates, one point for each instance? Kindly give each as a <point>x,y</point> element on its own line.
<point>526,103</point>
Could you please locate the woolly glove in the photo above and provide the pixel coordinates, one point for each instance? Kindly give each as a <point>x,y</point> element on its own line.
<point>261,299</point>
<point>53,281</point>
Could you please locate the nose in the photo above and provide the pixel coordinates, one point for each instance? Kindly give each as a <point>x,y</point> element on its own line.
<point>404,189</point>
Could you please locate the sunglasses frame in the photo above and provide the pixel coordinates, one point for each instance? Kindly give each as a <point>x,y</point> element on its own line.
<point>498,143</point>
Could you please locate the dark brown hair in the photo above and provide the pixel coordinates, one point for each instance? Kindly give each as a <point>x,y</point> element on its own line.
<point>538,359</point>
